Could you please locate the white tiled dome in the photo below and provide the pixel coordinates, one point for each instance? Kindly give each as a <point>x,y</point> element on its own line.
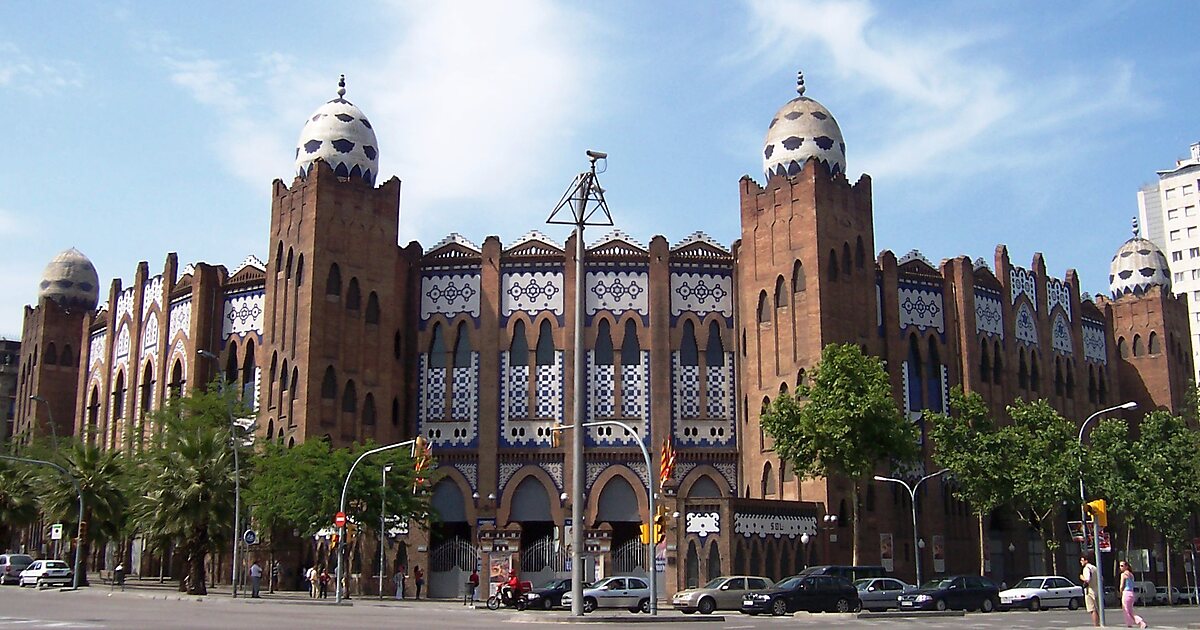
<point>800,130</point>
<point>1138,265</point>
<point>71,280</point>
<point>340,134</point>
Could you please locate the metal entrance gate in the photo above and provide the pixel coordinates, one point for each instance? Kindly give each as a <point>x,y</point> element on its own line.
<point>450,564</point>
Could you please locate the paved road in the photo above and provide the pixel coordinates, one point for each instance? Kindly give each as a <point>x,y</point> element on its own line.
<point>135,610</point>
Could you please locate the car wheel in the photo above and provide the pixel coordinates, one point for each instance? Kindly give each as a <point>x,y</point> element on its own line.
<point>779,608</point>
<point>589,604</point>
<point>1035,604</point>
<point>644,606</point>
<point>940,604</point>
<point>987,605</point>
<point>842,605</point>
<point>548,604</point>
<point>707,606</point>
<point>1074,603</point>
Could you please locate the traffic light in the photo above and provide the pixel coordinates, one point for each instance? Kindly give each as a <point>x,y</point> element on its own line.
<point>645,529</point>
<point>421,457</point>
<point>556,435</point>
<point>333,541</point>
<point>660,527</point>
<point>1099,511</point>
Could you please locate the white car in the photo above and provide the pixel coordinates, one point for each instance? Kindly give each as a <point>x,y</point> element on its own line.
<point>1177,597</point>
<point>618,591</point>
<point>43,573</point>
<point>1042,591</point>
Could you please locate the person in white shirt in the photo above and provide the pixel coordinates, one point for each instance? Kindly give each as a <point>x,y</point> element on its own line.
<point>255,579</point>
<point>1091,587</point>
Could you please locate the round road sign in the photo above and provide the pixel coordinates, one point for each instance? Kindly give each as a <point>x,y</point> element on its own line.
<point>339,519</point>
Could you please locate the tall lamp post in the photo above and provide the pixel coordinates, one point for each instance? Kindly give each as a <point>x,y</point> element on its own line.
<point>237,472</point>
<point>1083,507</point>
<point>50,414</point>
<point>79,527</point>
<point>382,523</point>
<point>649,517</point>
<point>585,191</point>
<point>912,493</point>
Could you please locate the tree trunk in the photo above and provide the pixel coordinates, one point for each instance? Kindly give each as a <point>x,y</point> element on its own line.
<point>195,556</point>
<point>856,533</point>
<point>982,548</point>
<point>1168,547</point>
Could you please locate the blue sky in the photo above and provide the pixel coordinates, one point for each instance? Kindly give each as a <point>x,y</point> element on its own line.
<point>137,129</point>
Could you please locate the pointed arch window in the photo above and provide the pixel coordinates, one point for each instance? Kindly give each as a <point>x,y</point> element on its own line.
<point>1022,372</point>
<point>437,347</point>
<point>68,356</point>
<point>353,296</point>
<point>934,384</point>
<point>300,270</point>
<point>985,363</point>
<point>293,394</point>
<point>333,284</point>
<point>231,364</point>
<point>271,375</point>
<point>147,387</point>
<point>797,277</point>
<point>350,398</point>
<point>764,308</point>
<point>288,273</point>
<point>1035,376</point>
<point>631,350</point>
<point>545,344</point>
<point>518,350</point>
<point>51,357</point>
<point>93,412</point>
<point>997,363</point>
<point>1122,348</point>
<point>603,352</point>
<point>1151,347</point>
<point>372,314</point>
<point>1058,377</point>
<point>283,383</point>
<point>462,347</point>
<point>714,354</point>
<point>329,384</point>
<point>1137,345</point>
<point>832,271</point>
<point>780,293</point>
<point>1070,369</point>
<point>915,391</point>
<point>368,415</point>
<point>119,396</point>
<point>248,366</point>
<point>846,269</point>
<point>689,354</point>
<point>1091,391</point>
<point>768,481</point>
<point>177,380</point>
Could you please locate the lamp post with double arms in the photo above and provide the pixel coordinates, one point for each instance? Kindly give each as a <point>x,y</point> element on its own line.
<point>912,493</point>
<point>237,472</point>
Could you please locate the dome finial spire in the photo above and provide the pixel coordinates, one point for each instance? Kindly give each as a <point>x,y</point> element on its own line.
<point>342,86</point>
<point>800,82</point>
<point>1136,227</point>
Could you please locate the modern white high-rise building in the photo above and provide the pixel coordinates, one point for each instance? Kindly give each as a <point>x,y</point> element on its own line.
<point>1169,210</point>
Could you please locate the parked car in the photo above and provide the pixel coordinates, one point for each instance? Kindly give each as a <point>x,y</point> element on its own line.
<point>43,573</point>
<point>1143,593</point>
<point>1042,591</point>
<point>549,595</point>
<point>722,593</point>
<point>615,592</point>
<point>960,592</point>
<point>881,593</point>
<point>813,593</point>
<point>11,566</point>
<point>852,573</point>
<point>1177,597</point>
<point>1111,599</point>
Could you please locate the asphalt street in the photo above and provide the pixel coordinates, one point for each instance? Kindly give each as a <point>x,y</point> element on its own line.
<point>98,608</point>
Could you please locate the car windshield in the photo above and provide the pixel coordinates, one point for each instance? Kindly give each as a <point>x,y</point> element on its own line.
<point>59,564</point>
<point>938,584</point>
<point>1032,582</point>
<point>864,583</point>
<point>789,583</point>
<point>715,582</point>
<point>26,560</point>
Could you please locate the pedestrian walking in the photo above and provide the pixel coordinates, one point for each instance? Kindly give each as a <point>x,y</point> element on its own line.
<point>1127,596</point>
<point>418,579</point>
<point>473,585</point>
<point>313,581</point>
<point>1091,587</point>
<point>324,579</point>
<point>398,582</point>
<point>255,579</point>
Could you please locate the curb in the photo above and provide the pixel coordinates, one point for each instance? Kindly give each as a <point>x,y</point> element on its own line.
<point>914,614</point>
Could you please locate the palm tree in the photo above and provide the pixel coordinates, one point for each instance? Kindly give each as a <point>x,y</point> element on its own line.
<point>17,505</point>
<point>101,477</point>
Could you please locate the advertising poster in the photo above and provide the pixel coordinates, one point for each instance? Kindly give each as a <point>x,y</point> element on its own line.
<point>939,553</point>
<point>501,564</point>
<point>886,552</point>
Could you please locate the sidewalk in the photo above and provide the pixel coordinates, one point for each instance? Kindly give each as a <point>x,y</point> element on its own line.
<point>150,588</point>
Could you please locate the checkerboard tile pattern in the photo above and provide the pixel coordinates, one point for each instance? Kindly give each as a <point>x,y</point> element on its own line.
<point>517,391</point>
<point>464,399</point>
<point>633,388</point>
<point>549,389</point>
<point>435,394</point>
<point>708,421</point>
<point>717,388</point>
<point>687,391</point>
<point>601,386</point>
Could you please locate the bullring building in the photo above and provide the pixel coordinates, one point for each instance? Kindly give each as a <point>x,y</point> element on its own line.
<point>338,333</point>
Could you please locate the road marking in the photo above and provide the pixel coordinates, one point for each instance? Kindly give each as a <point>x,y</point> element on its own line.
<point>44,623</point>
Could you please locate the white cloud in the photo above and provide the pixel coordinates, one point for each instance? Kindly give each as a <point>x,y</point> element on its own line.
<point>36,77</point>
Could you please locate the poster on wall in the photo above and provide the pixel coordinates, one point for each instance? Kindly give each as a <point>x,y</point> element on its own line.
<point>939,553</point>
<point>886,552</point>
<point>501,565</point>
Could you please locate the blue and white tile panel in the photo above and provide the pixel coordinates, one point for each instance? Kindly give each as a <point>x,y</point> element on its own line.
<point>152,294</point>
<point>517,426</point>
<point>531,291</point>
<point>1026,325</point>
<point>1060,335</point>
<point>703,524</point>
<point>1058,293</point>
<point>121,349</point>
<point>989,314</point>
<point>710,425</point>
<point>450,294</point>
<point>459,427</point>
<point>1095,346</point>
<point>633,408</point>
<point>913,415</point>
<point>124,305</point>
<point>181,318</point>
<point>702,293</point>
<point>243,314</point>
<point>618,292</point>
<point>1023,283</point>
<point>96,348</point>
<point>548,389</point>
<point>150,336</point>
<point>921,306</point>
<point>751,524</point>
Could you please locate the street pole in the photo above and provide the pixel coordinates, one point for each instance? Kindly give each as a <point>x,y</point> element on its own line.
<point>237,472</point>
<point>912,494</point>
<point>1083,509</point>
<point>585,188</point>
<point>342,509</point>
<point>649,492</point>
<point>79,526</point>
<point>50,414</point>
<point>382,523</point>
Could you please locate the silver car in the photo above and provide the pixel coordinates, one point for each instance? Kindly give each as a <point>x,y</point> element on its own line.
<point>881,593</point>
<point>619,591</point>
<point>723,593</point>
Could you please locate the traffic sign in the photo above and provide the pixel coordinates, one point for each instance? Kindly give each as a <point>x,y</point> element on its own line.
<point>250,537</point>
<point>339,519</point>
<point>56,531</point>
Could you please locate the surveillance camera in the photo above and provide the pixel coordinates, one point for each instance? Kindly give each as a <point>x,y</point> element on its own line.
<point>597,155</point>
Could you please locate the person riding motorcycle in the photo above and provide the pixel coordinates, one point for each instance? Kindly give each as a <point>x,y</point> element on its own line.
<point>511,591</point>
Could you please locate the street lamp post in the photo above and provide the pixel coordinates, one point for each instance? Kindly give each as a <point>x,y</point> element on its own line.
<point>1083,507</point>
<point>382,523</point>
<point>804,539</point>
<point>50,414</point>
<point>584,190</point>
<point>649,518</point>
<point>79,527</point>
<point>237,472</point>
<point>912,493</point>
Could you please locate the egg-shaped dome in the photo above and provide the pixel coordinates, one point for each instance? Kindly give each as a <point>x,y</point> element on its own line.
<point>1138,265</point>
<point>71,281</point>
<point>340,134</point>
<point>800,130</point>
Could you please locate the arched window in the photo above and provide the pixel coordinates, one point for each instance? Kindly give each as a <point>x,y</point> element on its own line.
<point>916,393</point>
<point>1103,388</point>
<point>518,351</point>
<point>350,398</point>
<point>270,428</point>
<point>714,354</point>
<point>1122,348</point>
<point>1091,391</point>
<point>1152,346</point>
<point>714,561</point>
<point>1070,379</point>
<point>1058,377</point>
<point>368,416</point>
<point>780,293</point>
<point>437,347</point>
<point>631,350</point>
<point>395,412</point>
<point>372,314</point>
<point>832,271</point>
<point>51,357</point>
<point>846,268</point>
<point>293,394</point>
<point>231,364</point>
<point>985,364</point>
<point>68,356</point>
<point>147,387</point>
<point>860,254</point>
<point>1023,372</point>
<point>689,354</point>
<point>934,384</point>
<point>997,363</point>
<point>545,345</point>
<point>764,308</point>
<point>1137,345</point>
<point>691,570</point>
<point>279,257</point>
<point>177,381</point>
<point>119,396</point>
<point>271,375</point>
<point>333,285</point>
<point>283,383</point>
<point>768,481</point>
<point>329,384</point>
<point>604,346</point>
<point>248,365</point>
<point>353,297</point>
<point>462,347</point>
<point>93,411</point>
<point>300,270</point>
<point>288,272</point>
<point>797,277</point>
<point>1035,374</point>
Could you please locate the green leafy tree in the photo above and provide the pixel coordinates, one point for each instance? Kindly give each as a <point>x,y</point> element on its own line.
<point>1042,459</point>
<point>1165,460</point>
<point>1111,474</point>
<point>845,423</point>
<point>968,444</point>
<point>18,507</point>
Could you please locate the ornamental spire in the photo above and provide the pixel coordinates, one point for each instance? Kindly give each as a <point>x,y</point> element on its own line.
<point>1136,227</point>
<point>341,86</point>
<point>800,82</point>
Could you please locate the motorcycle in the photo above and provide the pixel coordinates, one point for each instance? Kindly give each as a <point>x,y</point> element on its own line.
<point>503,597</point>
